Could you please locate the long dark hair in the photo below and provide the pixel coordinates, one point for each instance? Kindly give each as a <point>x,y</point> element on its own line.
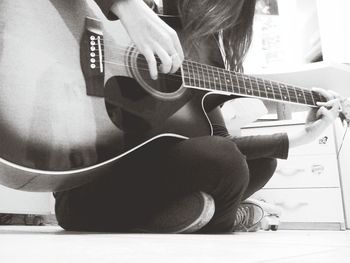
<point>206,18</point>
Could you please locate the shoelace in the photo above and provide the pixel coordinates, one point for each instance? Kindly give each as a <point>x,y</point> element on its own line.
<point>242,216</point>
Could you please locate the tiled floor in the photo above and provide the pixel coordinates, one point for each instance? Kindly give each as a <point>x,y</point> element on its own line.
<point>51,244</point>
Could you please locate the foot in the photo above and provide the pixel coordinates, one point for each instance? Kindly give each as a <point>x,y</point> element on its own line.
<point>248,217</point>
<point>185,215</point>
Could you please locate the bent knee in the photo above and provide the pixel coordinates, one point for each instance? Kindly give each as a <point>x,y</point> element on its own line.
<point>230,164</point>
<point>224,147</point>
<point>270,165</point>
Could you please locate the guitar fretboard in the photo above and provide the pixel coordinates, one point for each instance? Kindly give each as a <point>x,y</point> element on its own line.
<point>202,76</point>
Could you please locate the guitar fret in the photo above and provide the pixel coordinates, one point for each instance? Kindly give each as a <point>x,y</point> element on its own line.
<point>276,91</point>
<point>190,78</point>
<point>300,95</point>
<point>186,75</point>
<point>219,79</point>
<point>201,76</point>
<point>269,90</point>
<point>309,98</point>
<point>207,76</point>
<point>318,97</point>
<point>214,78</point>
<point>256,88</point>
<point>200,73</point>
<point>237,83</point>
<point>195,76</point>
<point>302,91</point>
<point>241,85</point>
<point>234,81</point>
<point>186,69</point>
<point>262,88</point>
<point>228,82</point>
<point>232,84</point>
<point>292,94</point>
<point>244,84</point>
<point>248,85</point>
<point>223,80</point>
<point>284,92</point>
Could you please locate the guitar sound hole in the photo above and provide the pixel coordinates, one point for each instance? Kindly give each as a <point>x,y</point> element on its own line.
<point>167,86</point>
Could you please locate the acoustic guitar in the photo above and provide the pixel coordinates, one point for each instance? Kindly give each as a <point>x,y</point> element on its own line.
<point>76,95</point>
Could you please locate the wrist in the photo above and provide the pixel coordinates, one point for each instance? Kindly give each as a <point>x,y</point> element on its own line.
<point>122,7</point>
<point>297,138</point>
<point>309,133</point>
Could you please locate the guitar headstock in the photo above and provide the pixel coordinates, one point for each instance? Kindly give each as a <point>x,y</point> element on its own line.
<point>345,110</point>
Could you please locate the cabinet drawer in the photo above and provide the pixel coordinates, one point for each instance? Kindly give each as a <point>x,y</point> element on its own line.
<point>324,144</point>
<point>306,205</point>
<point>306,171</point>
<point>20,202</point>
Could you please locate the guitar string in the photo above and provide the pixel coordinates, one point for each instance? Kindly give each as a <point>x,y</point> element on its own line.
<point>227,87</point>
<point>211,69</point>
<point>237,74</point>
<point>306,93</point>
<point>210,79</point>
<point>233,88</point>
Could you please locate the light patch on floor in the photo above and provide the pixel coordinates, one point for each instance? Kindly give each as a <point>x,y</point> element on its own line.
<point>52,244</point>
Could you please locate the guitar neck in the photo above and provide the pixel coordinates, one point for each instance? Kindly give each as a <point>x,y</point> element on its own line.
<point>206,77</point>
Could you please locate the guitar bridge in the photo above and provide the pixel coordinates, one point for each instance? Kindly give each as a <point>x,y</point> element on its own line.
<point>92,57</point>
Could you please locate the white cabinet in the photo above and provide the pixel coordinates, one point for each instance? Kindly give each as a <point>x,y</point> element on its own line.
<point>344,165</point>
<point>305,172</point>
<point>306,186</point>
<point>20,202</point>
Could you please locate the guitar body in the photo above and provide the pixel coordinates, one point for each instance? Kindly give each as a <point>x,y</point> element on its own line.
<point>62,124</point>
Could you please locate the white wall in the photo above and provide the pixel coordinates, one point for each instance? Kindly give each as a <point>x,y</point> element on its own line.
<point>334,22</point>
<point>297,36</point>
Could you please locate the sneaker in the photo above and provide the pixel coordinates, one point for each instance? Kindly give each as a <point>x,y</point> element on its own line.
<point>185,215</point>
<point>248,217</point>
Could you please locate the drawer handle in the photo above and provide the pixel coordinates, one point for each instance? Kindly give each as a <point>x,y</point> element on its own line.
<point>289,171</point>
<point>323,140</point>
<point>291,206</point>
<point>317,169</point>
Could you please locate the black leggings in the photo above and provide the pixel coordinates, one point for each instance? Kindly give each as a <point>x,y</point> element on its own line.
<point>148,179</point>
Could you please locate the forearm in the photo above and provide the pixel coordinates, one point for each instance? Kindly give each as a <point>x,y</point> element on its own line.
<point>307,134</point>
<point>114,9</point>
<point>263,146</point>
<point>106,7</point>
